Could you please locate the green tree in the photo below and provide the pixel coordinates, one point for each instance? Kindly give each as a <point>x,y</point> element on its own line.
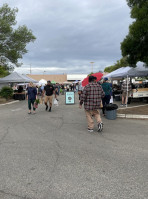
<point>120,63</point>
<point>3,71</point>
<point>12,41</point>
<point>135,45</point>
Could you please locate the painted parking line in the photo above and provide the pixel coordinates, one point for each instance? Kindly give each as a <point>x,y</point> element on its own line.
<point>17,109</point>
<point>9,103</point>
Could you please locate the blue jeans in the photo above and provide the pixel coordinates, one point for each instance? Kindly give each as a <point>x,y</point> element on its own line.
<point>105,101</point>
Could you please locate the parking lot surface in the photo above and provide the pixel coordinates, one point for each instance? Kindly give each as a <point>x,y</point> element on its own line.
<point>52,156</point>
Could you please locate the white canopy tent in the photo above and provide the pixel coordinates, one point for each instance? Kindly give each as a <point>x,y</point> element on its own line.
<point>16,78</point>
<point>42,82</point>
<point>75,82</point>
<point>128,71</point>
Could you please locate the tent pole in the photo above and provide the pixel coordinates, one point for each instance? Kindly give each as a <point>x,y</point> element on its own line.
<point>127,91</point>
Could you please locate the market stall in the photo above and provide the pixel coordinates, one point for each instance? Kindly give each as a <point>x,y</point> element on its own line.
<point>130,72</point>
<point>15,78</point>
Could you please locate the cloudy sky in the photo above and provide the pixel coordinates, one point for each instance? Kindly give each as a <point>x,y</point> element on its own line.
<point>72,33</point>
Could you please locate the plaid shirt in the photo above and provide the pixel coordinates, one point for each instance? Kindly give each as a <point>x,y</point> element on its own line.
<point>126,87</point>
<point>92,95</point>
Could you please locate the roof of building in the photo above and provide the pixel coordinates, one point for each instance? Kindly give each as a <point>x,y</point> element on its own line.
<point>57,78</point>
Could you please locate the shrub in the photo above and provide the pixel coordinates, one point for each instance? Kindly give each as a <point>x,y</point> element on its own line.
<point>6,92</point>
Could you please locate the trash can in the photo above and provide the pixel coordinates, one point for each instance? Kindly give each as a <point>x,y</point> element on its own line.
<point>111,111</point>
<point>117,97</point>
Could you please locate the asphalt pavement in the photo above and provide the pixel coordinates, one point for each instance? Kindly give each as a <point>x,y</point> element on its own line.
<point>50,155</point>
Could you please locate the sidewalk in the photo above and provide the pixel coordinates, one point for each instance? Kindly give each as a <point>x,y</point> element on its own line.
<point>134,110</point>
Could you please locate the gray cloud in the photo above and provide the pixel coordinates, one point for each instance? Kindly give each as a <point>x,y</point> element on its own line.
<point>72,33</point>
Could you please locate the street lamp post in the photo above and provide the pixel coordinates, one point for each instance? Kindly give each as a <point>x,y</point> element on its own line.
<point>92,66</point>
<point>30,69</point>
<point>43,73</point>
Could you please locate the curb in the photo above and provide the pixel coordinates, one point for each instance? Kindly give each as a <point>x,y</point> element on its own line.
<point>130,116</point>
<point>9,103</point>
<point>121,108</point>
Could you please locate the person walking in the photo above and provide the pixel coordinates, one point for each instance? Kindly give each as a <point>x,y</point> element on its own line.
<point>80,89</point>
<point>107,90</point>
<point>126,88</point>
<point>91,97</point>
<point>31,97</point>
<point>49,91</point>
<point>42,93</point>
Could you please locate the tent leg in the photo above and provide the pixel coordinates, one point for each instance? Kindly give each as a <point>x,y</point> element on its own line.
<point>127,91</point>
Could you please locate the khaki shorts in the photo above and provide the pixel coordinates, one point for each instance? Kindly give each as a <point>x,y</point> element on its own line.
<point>124,94</point>
<point>48,98</point>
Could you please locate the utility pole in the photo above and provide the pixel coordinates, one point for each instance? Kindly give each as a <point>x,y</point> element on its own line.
<point>92,66</point>
<point>30,69</point>
<point>43,73</point>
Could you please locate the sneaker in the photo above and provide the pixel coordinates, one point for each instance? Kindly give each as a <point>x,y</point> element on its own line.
<point>50,109</point>
<point>100,127</point>
<point>46,107</point>
<point>90,130</point>
<point>121,105</point>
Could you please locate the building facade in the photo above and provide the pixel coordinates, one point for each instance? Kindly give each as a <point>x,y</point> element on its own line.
<point>59,78</point>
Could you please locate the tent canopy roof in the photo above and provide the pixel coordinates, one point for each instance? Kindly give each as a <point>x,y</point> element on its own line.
<point>17,78</point>
<point>43,81</point>
<point>131,72</point>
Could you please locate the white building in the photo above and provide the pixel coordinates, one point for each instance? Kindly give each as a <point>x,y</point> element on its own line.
<point>73,77</point>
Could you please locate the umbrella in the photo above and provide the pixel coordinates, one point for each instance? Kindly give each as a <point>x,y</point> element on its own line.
<point>97,75</point>
<point>53,82</point>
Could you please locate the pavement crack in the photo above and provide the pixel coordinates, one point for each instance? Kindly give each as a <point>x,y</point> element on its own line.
<point>106,138</point>
<point>58,145</point>
<point>55,163</point>
<point>14,195</point>
<point>4,136</point>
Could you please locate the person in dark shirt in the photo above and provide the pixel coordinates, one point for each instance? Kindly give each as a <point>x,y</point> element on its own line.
<point>20,89</point>
<point>107,90</point>
<point>31,97</point>
<point>56,87</point>
<point>49,91</point>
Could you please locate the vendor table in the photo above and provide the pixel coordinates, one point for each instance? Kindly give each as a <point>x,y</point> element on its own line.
<point>19,96</point>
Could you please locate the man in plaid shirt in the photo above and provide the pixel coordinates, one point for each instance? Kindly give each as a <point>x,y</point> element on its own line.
<point>91,97</point>
<point>126,88</point>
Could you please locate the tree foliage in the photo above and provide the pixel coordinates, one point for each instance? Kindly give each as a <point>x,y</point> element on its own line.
<point>12,41</point>
<point>3,71</point>
<point>120,63</point>
<point>135,45</point>
<point>6,92</point>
